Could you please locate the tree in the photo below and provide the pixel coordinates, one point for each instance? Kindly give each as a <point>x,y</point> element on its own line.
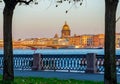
<point>8,73</point>
<point>110,30</point>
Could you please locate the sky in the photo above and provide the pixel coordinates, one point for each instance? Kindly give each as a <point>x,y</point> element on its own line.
<point>45,19</point>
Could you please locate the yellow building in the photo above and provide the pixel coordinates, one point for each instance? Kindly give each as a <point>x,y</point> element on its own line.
<point>95,40</point>
<point>101,40</point>
<point>1,43</point>
<point>86,41</point>
<point>74,40</point>
<point>98,40</point>
<point>118,40</point>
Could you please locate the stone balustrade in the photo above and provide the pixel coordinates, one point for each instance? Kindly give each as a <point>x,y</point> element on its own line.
<point>89,63</point>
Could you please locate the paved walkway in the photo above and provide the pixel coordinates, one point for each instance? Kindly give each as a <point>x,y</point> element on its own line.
<point>61,75</point>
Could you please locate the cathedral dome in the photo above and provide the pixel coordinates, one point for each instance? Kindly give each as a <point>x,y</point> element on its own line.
<point>65,27</point>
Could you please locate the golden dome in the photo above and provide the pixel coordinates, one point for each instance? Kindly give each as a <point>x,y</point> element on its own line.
<point>65,27</point>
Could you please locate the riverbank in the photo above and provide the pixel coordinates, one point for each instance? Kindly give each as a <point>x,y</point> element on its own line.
<point>61,75</point>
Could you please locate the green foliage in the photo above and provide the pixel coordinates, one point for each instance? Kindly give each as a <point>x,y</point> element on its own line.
<point>37,80</point>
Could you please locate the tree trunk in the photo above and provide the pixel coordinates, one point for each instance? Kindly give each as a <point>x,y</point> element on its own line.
<point>110,29</point>
<point>8,73</point>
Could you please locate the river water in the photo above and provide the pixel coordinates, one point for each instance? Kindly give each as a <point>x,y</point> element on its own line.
<point>60,51</point>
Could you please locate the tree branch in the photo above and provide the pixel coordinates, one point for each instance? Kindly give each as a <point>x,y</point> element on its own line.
<point>118,19</point>
<point>26,2</point>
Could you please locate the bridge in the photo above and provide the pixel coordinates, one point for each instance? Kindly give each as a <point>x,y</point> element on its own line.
<point>54,46</point>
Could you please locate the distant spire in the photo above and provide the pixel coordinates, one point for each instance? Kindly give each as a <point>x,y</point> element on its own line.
<point>75,35</point>
<point>65,22</point>
<point>56,36</point>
